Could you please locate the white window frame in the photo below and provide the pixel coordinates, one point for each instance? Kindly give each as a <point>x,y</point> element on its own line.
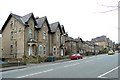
<point>54,49</point>
<point>44,35</point>
<point>30,32</point>
<point>40,49</point>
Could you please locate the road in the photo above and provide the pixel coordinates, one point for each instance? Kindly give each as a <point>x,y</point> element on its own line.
<point>100,66</point>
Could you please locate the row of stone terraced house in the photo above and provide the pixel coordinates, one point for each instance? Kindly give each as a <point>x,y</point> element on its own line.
<point>27,35</point>
<point>95,46</point>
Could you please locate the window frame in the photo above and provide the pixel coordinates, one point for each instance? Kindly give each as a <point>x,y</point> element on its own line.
<point>40,49</point>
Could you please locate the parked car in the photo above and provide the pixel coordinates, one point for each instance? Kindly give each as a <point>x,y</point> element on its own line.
<point>76,56</point>
<point>110,52</point>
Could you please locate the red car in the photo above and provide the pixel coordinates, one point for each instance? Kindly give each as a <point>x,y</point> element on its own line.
<point>76,56</point>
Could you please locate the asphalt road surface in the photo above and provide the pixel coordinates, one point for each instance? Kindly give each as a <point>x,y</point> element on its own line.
<point>100,66</point>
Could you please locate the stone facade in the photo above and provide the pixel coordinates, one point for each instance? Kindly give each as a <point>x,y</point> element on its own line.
<point>43,38</point>
<point>56,38</point>
<point>13,39</point>
<point>29,36</point>
<point>101,41</point>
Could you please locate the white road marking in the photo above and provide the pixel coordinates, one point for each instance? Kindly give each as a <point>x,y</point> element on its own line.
<point>101,76</point>
<point>35,73</point>
<point>71,65</point>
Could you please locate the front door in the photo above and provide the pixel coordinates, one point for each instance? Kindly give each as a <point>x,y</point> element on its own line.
<point>30,50</point>
<point>62,52</point>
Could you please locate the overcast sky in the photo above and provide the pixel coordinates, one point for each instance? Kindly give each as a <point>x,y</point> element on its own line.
<point>81,18</point>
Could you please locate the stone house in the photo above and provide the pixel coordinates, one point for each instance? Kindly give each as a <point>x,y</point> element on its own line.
<point>56,32</point>
<point>71,45</point>
<point>63,38</point>
<point>43,36</point>
<point>111,45</point>
<point>79,45</point>
<point>93,48</point>
<point>90,47</point>
<point>30,36</point>
<point>101,41</point>
<point>18,36</point>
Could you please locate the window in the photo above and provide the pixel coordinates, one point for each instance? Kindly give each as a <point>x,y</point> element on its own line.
<point>12,24</point>
<point>57,50</point>
<point>44,35</point>
<point>57,37</point>
<point>30,33</point>
<point>15,27</point>
<point>54,50</point>
<point>11,47</point>
<point>11,34</point>
<point>40,47</point>
<point>44,49</point>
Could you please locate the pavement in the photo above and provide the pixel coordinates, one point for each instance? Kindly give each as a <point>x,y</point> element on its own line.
<point>30,65</point>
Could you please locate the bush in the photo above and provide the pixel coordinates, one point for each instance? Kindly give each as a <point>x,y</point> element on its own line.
<point>60,58</point>
<point>89,53</point>
<point>104,51</point>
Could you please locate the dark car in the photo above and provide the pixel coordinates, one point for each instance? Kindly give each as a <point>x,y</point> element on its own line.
<point>76,56</point>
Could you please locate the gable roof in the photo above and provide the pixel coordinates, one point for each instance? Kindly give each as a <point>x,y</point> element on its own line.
<point>54,27</point>
<point>21,19</point>
<point>63,30</point>
<point>27,17</point>
<point>99,39</point>
<point>41,21</point>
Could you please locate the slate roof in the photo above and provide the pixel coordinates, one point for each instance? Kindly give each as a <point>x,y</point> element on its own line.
<point>26,17</point>
<point>54,26</point>
<point>99,39</point>
<point>21,19</point>
<point>63,30</point>
<point>40,21</point>
<point>89,43</point>
<point>17,17</point>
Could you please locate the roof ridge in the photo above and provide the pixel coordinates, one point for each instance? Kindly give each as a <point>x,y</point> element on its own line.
<point>26,17</point>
